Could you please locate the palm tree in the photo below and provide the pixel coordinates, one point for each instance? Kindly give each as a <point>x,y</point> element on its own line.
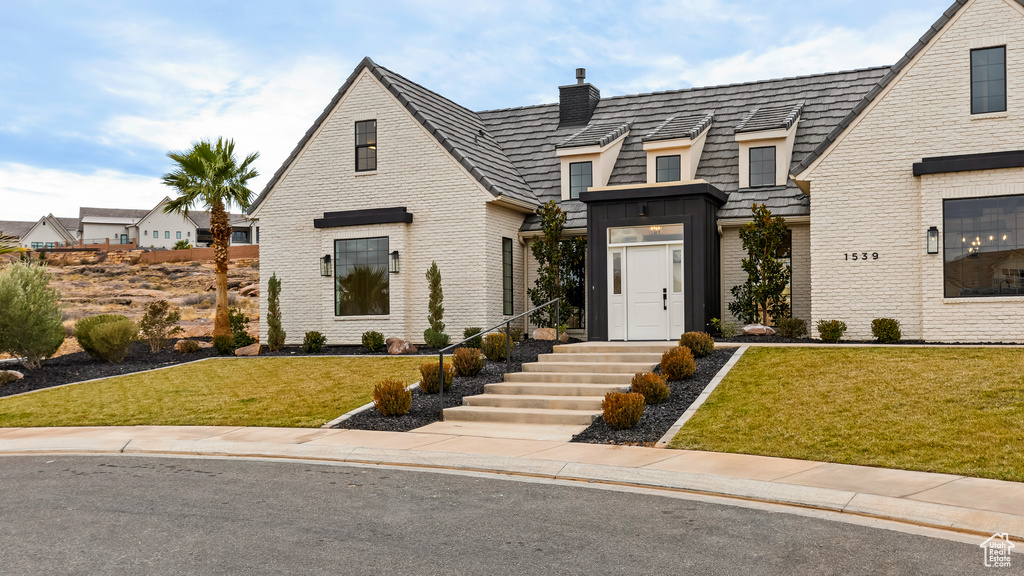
<point>209,175</point>
<point>9,244</point>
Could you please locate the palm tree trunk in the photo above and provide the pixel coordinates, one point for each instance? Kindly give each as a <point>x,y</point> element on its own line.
<point>221,232</point>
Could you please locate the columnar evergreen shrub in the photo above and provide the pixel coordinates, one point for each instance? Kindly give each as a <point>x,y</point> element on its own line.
<point>831,330</point>
<point>678,363</point>
<point>313,341</point>
<point>467,361</point>
<point>159,324</point>
<point>435,336</point>
<point>275,335</point>
<point>475,342</point>
<point>791,327</point>
<point>886,330</point>
<point>31,324</point>
<point>239,322</point>
<point>495,346</point>
<point>373,341</point>
<point>622,410</point>
<point>651,386</point>
<point>700,343</point>
<point>391,398</point>
<point>429,377</point>
<point>84,329</point>
<point>113,340</point>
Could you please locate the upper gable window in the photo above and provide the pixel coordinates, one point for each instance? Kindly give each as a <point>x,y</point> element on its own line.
<point>581,177</point>
<point>762,166</point>
<point>988,80</point>
<point>366,145</point>
<point>667,169</point>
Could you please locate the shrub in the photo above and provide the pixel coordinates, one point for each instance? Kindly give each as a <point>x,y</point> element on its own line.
<point>495,346</point>
<point>678,363</point>
<point>84,329</point>
<point>31,324</point>
<point>791,327</point>
<point>516,333</point>
<point>435,336</point>
<point>467,361</point>
<point>391,398</point>
<point>182,245</point>
<point>113,340</point>
<point>429,379</point>
<point>700,343</point>
<point>240,327</point>
<point>224,344</point>
<point>721,329</point>
<point>435,339</point>
<point>475,342</point>
<point>275,335</point>
<point>313,342</point>
<point>159,324</point>
<point>831,330</point>
<point>622,410</point>
<point>651,386</point>
<point>886,330</point>
<point>188,347</point>
<point>373,341</point>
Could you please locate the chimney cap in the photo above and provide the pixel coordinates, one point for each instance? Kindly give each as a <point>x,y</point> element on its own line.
<point>581,75</point>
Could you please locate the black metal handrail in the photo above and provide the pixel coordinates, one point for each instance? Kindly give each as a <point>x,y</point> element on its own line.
<point>508,343</point>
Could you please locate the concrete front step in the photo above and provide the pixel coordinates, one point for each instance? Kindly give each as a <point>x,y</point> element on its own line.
<point>570,377</point>
<point>615,348</point>
<point>560,402</point>
<point>588,358</point>
<point>553,389</point>
<point>598,368</point>
<point>520,415</point>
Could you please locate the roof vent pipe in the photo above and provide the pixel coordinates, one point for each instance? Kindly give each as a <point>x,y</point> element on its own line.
<point>581,75</point>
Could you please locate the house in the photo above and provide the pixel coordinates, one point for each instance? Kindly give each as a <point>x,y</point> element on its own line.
<point>902,187</point>
<point>153,228</point>
<point>15,228</point>
<point>50,232</point>
<point>100,225</point>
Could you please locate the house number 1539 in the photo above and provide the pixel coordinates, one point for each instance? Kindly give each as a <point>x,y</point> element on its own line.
<point>861,256</point>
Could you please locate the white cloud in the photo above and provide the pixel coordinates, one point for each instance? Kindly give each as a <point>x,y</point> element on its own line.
<point>30,192</point>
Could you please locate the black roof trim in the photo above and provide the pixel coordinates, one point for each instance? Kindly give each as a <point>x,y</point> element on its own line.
<point>969,162</point>
<point>641,192</point>
<point>363,217</point>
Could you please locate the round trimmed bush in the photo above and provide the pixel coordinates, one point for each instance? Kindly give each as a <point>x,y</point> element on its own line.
<point>429,377</point>
<point>651,386</point>
<point>678,363</point>
<point>886,330</point>
<point>224,344</point>
<point>791,327</point>
<point>313,342</point>
<point>700,343</point>
<point>391,398</point>
<point>467,361</point>
<point>113,340</point>
<point>474,342</point>
<point>831,331</point>
<point>622,410</point>
<point>496,346</point>
<point>85,326</point>
<point>188,347</point>
<point>373,341</point>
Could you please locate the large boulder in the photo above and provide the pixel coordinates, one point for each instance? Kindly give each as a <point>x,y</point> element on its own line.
<point>758,330</point>
<point>399,346</point>
<point>251,290</point>
<point>549,334</point>
<point>8,376</point>
<point>250,350</point>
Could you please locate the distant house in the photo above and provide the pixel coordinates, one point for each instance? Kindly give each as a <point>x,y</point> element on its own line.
<point>50,232</point>
<point>99,225</point>
<point>15,228</point>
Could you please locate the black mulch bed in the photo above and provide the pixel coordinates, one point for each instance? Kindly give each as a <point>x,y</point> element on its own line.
<point>80,366</point>
<point>658,418</point>
<point>342,351</point>
<point>751,339</point>
<point>426,407</point>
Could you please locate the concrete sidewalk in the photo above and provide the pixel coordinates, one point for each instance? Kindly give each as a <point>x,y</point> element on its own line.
<point>974,505</point>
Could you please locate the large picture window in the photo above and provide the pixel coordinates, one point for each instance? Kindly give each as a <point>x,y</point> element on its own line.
<point>983,247</point>
<point>366,145</point>
<point>581,177</point>
<point>361,277</point>
<point>506,276</point>
<point>988,80</point>
<point>762,166</point>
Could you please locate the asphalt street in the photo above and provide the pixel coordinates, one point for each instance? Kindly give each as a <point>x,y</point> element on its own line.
<point>145,515</point>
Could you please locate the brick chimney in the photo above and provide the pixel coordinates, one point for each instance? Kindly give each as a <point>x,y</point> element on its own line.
<point>576,102</point>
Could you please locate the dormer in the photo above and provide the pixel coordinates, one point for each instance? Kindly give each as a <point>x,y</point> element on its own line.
<point>674,147</point>
<point>766,138</point>
<point>588,157</point>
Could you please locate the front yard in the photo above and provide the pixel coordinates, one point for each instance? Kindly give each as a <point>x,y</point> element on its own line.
<point>951,410</point>
<point>304,391</point>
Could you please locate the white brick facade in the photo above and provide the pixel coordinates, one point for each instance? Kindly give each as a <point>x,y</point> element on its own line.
<point>865,198</point>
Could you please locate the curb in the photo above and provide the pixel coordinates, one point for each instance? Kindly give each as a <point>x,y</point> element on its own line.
<point>663,442</point>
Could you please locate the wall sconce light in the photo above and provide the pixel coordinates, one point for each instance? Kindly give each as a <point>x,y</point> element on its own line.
<point>393,263</point>
<point>325,265</point>
<point>643,209</point>
<point>933,240</point>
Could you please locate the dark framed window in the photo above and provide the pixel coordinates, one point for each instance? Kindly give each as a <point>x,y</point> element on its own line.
<point>581,177</point>
<point>506,276</point>
<point>667,168</point>
<point>37,245</point>
<point>361,279</point>
<point>762,166</point>
<point>983,246</point>
<point>366,145</point>
<point>240,237</point>
<point>988,80</point>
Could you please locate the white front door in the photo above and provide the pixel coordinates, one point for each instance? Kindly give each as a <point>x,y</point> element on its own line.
<point>647,293</point>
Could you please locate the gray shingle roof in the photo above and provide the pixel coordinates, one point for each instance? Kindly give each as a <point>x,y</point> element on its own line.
<point>15,228</point>
<point>69,224</point>
<point>202,219</point>
<point>86,212</point>
<point>770,118</point>
<point>595,135</point>
<point>679,127</point>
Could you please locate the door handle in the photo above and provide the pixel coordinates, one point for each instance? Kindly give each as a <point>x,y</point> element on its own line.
<point>664,298</point>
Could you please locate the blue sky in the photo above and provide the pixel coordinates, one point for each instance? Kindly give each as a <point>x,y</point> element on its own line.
<point>93,94</point>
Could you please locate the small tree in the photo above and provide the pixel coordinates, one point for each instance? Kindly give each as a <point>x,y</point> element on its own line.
<point>31,324</point>
<point>275,335</point>
<point>560,267</point>
<point>435,336</point>
<point>159,324</point>
<point>762,296</point>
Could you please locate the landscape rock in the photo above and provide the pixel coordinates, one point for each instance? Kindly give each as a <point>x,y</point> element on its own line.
<point>250,350</point>
<point>549,334</point>
<point>399,346</point>
<point>758,330</point>
<point>7,376</point>
<point>251,290</point>
<point>180,343</point>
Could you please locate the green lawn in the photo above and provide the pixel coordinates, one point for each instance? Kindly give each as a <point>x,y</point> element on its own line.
<point>952,410</point>
<point>225,392</point>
